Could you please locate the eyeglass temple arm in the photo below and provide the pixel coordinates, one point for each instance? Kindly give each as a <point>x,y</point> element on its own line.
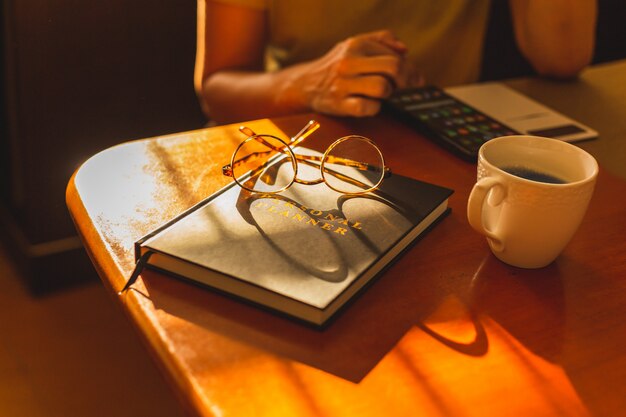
<point>362,166</point>
<point>309,128</point>
<point>339,175</point>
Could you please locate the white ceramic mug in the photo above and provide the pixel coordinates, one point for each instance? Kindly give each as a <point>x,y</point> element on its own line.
<point>529,222</point>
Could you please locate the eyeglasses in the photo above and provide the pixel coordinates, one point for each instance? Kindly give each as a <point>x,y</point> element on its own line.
<point>265,163</point>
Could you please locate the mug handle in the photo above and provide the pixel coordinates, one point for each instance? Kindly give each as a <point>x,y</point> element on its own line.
<point>475,205</point>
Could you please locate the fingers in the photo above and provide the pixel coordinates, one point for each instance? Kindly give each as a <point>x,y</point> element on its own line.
<point>387,70</point>
<point>387,65</point>
<point>409,77</point>
<point>372,86</point>
<point>359,106</point>
<point>378,53</point>
<point>382,38</point>
<point>357,96</point>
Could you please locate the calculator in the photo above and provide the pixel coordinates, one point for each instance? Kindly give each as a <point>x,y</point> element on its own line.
<point>447,120</point>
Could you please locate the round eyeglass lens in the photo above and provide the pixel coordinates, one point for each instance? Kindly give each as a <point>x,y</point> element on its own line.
<point>354,165</point>
<point>264,163</point>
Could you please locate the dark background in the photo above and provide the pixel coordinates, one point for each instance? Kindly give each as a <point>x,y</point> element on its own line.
<point>79,77</point>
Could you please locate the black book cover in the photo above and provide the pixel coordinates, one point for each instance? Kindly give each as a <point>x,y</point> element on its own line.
<point>303,252</point>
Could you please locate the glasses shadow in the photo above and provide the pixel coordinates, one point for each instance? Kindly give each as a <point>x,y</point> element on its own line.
<point>292,252</point>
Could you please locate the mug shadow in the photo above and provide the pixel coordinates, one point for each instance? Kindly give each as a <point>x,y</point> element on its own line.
<point>528,303</point>
<point>562,322</point>
<point>565,322</point>
<point>594,350</point>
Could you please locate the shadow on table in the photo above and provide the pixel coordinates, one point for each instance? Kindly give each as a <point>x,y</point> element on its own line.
<point>529,304</point>
<point>564,321</point>
<point>349,347</point>
<point>355,340</point>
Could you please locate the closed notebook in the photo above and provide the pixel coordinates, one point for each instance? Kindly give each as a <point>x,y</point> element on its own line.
<point>304,252</point>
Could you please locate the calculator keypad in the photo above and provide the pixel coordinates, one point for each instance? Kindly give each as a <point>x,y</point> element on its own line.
<point>444,118</point>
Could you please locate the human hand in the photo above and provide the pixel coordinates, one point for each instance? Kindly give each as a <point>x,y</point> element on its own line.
<point>354,76</point>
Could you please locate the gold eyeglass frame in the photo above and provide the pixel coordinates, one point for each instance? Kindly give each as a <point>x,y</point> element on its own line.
<point>309,128</point>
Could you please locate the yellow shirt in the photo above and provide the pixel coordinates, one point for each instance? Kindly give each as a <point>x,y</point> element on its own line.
<point>444,37</point>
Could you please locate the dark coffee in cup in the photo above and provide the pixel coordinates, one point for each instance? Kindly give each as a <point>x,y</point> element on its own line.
<point>533,175</point>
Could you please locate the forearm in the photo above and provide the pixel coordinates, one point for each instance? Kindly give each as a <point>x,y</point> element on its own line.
<point>231,96</point>
<point>556,36</point>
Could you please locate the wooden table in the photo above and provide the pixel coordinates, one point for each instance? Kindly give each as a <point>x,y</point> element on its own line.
<point>447,330</point>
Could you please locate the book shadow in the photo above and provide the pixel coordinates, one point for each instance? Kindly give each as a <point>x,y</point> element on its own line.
<point>348,346</point>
